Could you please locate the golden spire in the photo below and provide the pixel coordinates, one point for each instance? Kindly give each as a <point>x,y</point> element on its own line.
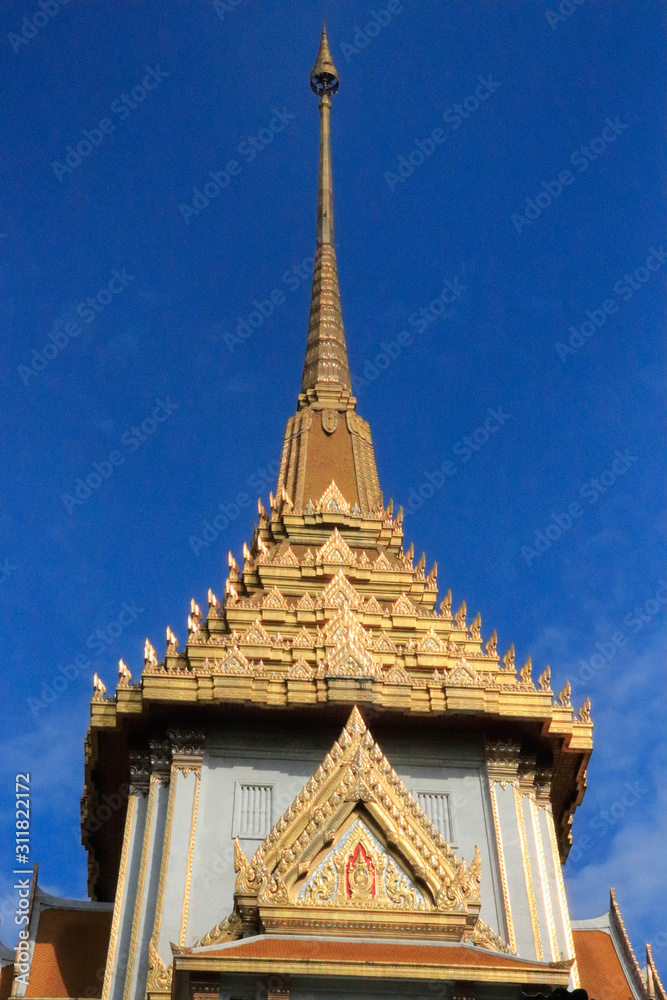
<point>326,353</point>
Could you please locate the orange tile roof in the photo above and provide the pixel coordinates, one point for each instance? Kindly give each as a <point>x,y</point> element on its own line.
<point>70,953</point>
<point>6,978</point>
<point>600,969</point>
<point>385,953</point>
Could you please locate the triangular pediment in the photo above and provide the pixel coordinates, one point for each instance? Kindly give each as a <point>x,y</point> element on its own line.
<point>301,670</point>
<point>373,606</point>
<point>274,599</point>
<point>382,563</point>
<point>403,606</point>
<point>335,551</point>
<point>256,635</point>
<point>463,674</point>
<point>355,846</point>
<point>303,639</point>
<point>333,501</point>
<point>431,643</point>
<point>345,627</point>
<point>339,593</point>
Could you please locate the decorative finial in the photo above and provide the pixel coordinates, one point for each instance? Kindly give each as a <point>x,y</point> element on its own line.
<point>150,656</point>
<point>544,680</point>
<point>324,75</point>
<point>124,675</point>
<point>460,616</point>
<point>446,605</point>
<point>172,642</point>
<point>99,688</point>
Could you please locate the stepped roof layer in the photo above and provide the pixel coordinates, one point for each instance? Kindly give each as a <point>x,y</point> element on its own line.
<point>327,607</point>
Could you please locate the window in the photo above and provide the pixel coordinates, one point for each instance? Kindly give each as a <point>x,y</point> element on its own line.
<point>253,811</point>
<point>436,806</point>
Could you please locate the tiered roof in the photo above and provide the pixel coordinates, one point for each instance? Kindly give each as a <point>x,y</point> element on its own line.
<point>327,607</point>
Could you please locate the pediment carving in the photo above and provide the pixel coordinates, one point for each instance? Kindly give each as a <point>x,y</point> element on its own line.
<point>303,639</point>
<point>333,501</point>
<point>339,593</point>
<point>345,628</point>
<point>301,670</point>
<point>274,599</point>
<point>403,606</point>
<point>256,635</point>
<point>431,643</point>
<point>355,850</point>
<point>336,551</point>
<point>463,673</point>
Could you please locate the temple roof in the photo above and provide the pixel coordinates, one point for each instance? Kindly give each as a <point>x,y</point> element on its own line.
<point>608,967</point>
<point>327,608</point>
<point>372,958</point>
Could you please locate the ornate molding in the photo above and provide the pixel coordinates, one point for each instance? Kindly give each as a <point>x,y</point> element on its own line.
<point>528,875</point>
<point>503,869</point>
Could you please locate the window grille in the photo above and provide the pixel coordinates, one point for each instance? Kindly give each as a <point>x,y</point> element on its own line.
<point>254,811</point>
<point>437,808</point>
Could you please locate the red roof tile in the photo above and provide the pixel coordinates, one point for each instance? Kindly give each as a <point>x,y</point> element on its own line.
<point>389,953</point>
<point>70,953</point>
<point>6,978</point>
<point>600,969</point>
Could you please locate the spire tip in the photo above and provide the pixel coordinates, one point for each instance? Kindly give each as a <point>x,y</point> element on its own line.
<point>324,75</point>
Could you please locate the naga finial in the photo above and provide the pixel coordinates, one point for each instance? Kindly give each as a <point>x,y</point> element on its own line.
<point>492,644</point>
<point>172,641</point>
<point>124,675</point>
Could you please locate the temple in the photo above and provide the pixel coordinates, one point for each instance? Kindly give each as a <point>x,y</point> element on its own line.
<point>336,786</point>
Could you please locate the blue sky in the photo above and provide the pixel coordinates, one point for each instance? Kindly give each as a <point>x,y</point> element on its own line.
<point>534,208</point>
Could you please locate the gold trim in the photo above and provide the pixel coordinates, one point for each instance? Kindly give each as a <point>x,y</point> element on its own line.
<point>141,881</point>
<point>544,879</point>
<point>191,849</point>
<point>162,881</point>
<point>120,893</point>
<point>562,898</point>
<point>528,874</point>
<point>503,870</point>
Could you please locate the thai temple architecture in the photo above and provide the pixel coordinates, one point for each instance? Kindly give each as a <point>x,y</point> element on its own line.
<point>336,786</point>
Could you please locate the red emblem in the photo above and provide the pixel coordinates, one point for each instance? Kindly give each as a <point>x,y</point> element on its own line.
<point>359,875</point>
